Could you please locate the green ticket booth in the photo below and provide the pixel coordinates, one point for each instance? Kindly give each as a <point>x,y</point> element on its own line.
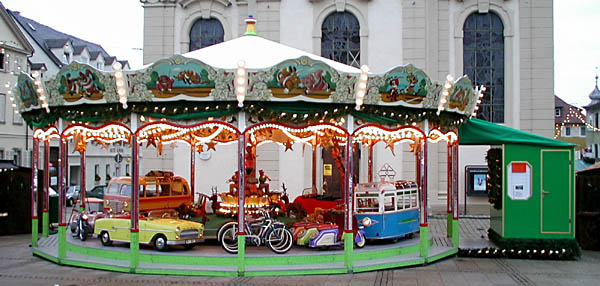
<point>531,182</point>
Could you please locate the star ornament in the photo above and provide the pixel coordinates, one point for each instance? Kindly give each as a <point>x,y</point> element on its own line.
<point>211,146</point>
<point>288,145</point>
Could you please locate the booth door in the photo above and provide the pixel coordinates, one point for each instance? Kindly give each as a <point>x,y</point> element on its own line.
<point>556,191</point>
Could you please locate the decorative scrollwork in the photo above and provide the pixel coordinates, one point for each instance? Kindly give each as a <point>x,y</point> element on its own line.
<point>344,92</point>
<point>223,84</point>
<point>138,89</point>
<point>257,87</point>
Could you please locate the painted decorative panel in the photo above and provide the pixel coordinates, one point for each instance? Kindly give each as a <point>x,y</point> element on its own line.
<point>25,92</point>
<point>462,97</point>
<point>302,76</point>
<point>78,81</point>
<point>180,75</point>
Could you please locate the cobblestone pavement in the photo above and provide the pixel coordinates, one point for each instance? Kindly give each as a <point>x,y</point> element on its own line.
<point>19,267</point>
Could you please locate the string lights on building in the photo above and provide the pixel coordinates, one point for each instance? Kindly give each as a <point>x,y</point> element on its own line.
<point>570,115</point>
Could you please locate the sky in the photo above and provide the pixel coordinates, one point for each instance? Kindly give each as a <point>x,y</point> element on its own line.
<point>118,25</point>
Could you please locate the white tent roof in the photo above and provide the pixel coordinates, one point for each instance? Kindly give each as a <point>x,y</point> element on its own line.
<point>258,53</point>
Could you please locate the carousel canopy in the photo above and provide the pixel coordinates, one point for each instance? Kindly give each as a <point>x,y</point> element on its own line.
<point>249,74</point>
<point>257,53</point>
<point>480,132</point>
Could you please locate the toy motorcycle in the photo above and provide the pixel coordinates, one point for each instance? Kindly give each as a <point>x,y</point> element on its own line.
<point>324,235</point>
<point>325,230</point>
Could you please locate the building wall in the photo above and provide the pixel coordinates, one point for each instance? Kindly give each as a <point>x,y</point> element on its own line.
<point>427,34</point>
<point>13,132</point>
<point>593,137</point>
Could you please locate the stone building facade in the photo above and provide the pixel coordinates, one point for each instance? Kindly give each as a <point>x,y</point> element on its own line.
<point>506,45</point>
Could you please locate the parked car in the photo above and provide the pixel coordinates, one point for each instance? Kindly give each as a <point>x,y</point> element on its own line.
<point>161,229</point>
<point>72,195</point>
<point>96,192</point>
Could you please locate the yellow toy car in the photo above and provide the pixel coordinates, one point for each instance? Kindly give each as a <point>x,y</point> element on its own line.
<point>161,228</point>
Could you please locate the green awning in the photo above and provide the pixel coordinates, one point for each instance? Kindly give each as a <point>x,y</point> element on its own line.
<point>480,132</point>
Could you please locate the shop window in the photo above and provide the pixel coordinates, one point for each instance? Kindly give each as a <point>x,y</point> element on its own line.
<point>205,32</point>
<point>340,38</point>
<point>483,61</point>
<point>2,60</point>
<point>567,131</point>
<point>96,172</point>
<point>108,177</point>
<point>1,154</point>
<point>17,119</point>
<point>2,107</point>
<point>17,156</point>
<point>582,131</point>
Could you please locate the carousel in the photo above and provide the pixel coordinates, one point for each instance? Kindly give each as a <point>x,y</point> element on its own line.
<point>234,97</point>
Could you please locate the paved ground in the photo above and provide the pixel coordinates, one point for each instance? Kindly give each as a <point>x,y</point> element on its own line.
<point>19,267</point>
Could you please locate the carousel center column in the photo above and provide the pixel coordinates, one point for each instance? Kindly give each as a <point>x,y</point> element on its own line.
<point>348,192</point>
<point>134,246</point>
<point>241,194</point>
<point>34,194</point>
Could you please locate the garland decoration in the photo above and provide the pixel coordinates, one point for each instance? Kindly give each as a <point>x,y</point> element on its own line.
<point>494,177</point>
<point>294,113</point>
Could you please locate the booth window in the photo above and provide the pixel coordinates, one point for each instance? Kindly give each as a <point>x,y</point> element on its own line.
<point>205,32</point>
<point>340,38</point>
<point>483,62</point>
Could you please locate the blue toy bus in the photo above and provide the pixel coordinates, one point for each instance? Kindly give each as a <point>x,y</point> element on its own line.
<point>390,209</point>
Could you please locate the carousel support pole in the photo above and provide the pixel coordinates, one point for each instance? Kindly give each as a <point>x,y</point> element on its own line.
<point>193,170</point>
<point>241,195</point>
<point>134,246</point>
<point>62,225</point>
<point>314,167</point>
<point>46,184</point>
<point>34,192</point>
<point>449,189</point>
<point>82,181</point>
<point>348,209</point>
<point>455,224</point>
<point>424,227</point>
<point>370,163</point>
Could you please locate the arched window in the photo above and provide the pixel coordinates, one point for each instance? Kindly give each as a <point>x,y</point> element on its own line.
<point>483,61</point>
<point>205,32</point>
<point>340,38</point>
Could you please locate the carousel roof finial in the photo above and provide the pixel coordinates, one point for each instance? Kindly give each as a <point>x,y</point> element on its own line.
<point>250,21</point>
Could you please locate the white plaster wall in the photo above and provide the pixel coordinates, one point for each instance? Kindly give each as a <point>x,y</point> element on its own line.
<point>292,169</point>
<point>215,171</point>
<point>385,35</point>
<point>296,31</point>
<point>382,155</point>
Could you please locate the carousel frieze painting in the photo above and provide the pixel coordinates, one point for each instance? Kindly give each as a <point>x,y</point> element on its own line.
<point>219,211</point>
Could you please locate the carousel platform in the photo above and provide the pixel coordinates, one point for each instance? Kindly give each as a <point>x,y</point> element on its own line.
<point>210,259</point>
